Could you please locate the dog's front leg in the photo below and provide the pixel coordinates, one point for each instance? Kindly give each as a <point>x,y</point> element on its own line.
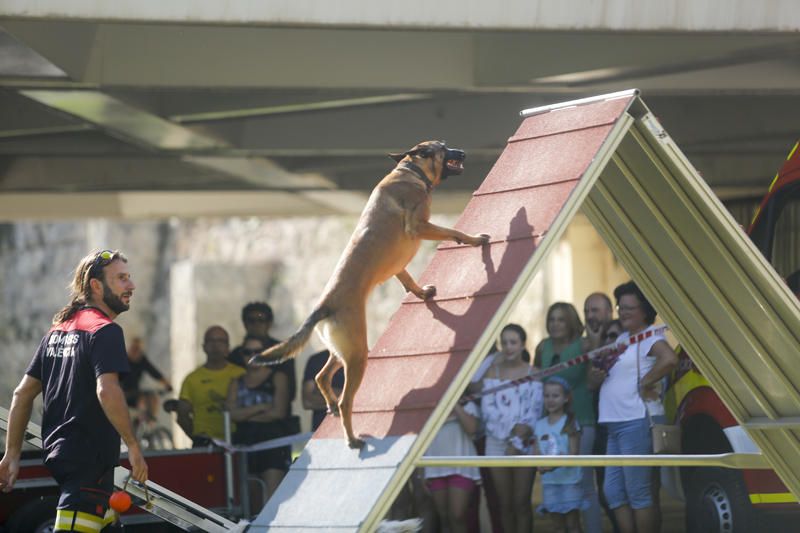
<point>432,232</point>
<point>423,293</point>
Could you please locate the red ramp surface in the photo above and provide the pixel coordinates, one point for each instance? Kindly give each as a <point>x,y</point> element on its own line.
<point>432,347</point>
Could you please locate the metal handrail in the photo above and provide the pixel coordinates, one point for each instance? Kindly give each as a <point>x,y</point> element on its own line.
<point>725,460</point>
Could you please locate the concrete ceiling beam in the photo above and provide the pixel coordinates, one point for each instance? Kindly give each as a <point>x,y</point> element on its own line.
<point>639,15</point>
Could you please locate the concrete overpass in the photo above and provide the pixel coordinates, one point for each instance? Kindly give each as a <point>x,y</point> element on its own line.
<point>155,109</point>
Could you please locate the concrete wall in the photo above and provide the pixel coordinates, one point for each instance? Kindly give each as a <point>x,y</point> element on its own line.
<point>195,273</point>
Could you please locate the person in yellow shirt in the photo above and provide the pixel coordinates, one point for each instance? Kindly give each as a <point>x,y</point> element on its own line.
<point>204,390</point>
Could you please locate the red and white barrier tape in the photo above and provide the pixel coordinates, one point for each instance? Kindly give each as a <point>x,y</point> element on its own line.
<point>609,350</point>
<point>265,445</point>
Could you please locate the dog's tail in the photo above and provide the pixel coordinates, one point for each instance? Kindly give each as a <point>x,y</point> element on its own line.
<point>400,526</point>
<point>290,347</point>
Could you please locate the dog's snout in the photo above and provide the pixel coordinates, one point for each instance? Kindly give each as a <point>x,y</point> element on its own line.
<point>455,153</point>
<point>453,162</point>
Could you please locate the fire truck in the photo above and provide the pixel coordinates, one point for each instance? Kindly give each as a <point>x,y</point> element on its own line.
<point>722,499</point>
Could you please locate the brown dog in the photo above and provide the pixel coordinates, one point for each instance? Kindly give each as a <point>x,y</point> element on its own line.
<point>386,238</point>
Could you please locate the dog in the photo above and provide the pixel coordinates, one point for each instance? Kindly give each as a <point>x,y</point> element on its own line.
<point>394,222</point>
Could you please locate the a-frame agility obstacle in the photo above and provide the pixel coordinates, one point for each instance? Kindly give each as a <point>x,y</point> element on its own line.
<point>609,156</point>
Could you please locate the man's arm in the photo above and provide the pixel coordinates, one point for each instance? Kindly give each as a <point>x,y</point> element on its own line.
<point>185,413</point>
<point>112,400</point>
<point>279,409</point>
<point>18,417</point>
<point>156,374</point>
<point>239,414</point>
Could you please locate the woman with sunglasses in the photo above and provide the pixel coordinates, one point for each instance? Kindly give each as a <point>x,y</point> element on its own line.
<point>258,402</point>
<point>629,402</point>
<point>564,342</point>
<point>613,331</point>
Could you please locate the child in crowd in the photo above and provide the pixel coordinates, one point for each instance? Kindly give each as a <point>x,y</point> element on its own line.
<point>558,433</point>
<point>453,488</point>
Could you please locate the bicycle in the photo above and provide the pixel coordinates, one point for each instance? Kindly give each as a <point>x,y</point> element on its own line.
<point>146,428</point>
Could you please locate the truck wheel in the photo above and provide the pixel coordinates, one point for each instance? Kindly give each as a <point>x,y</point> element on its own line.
<point>37,516</point>
<point>718,502</point>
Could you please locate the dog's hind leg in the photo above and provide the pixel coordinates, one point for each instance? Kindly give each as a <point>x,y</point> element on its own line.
<point>353,374</point>
<point>323,380</point>
<point>346,336</point>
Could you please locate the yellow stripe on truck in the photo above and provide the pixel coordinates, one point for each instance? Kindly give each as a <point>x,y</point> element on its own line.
<point>778,497</point>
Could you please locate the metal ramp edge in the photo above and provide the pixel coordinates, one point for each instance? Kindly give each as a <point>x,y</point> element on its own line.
<point>720,296</point>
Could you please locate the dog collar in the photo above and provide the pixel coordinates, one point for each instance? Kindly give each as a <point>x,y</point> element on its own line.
<point>419,173</point>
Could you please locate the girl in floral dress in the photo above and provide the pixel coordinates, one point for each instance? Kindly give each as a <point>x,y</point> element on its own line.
<point>508,417</point>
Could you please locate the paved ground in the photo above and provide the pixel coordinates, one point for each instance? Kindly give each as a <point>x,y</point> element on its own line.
<point>672,516</point>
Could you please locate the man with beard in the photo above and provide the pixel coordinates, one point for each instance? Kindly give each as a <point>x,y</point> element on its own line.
<point>597,313</point>
<point>77,368</point>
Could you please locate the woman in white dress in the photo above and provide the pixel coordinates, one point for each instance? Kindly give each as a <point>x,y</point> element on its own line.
<point>509,416</point>
<point>630,401</point>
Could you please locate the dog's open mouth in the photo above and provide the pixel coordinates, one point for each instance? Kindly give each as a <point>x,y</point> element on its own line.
<point>455,166</point>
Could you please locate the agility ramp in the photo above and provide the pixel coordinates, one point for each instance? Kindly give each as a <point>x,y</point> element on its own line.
<point>610,156</point>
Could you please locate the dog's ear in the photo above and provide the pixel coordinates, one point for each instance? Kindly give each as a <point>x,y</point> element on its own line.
<point>398,157</point>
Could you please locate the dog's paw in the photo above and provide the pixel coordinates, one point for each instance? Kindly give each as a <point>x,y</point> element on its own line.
<point>428,292</point>
<point>355,443</point>
<point>333,410</point>
<point>480,239</point>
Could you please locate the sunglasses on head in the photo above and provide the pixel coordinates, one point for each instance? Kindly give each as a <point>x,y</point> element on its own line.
<point>101,260</point>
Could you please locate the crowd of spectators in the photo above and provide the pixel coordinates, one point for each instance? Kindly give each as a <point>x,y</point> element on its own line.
<point>583,409</point>
<point>603,406</point>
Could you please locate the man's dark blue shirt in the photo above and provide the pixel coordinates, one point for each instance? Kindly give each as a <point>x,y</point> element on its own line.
<point>68,362</point>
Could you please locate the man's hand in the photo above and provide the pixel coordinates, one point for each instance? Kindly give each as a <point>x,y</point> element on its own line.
<point>18,417</point>
<point>9,470</point>
<point>138,464</point>
<point>650,392</point>
<point>596,378</point>
<point>595,336</point>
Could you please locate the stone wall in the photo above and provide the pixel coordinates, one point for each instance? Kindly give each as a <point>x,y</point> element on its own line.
<point>191,274</point>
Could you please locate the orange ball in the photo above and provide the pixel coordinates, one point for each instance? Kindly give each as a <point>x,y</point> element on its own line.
<point>120,501</point>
